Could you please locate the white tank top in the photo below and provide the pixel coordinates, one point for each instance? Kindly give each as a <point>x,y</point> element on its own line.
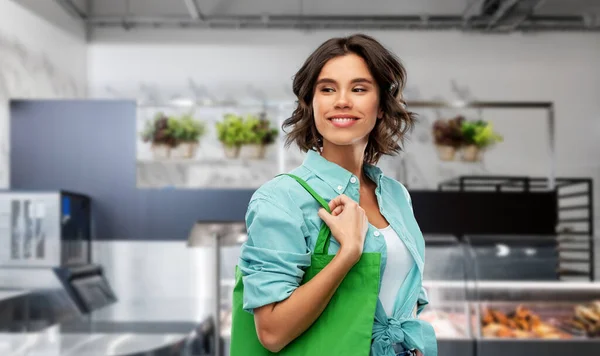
<point>399,262</point>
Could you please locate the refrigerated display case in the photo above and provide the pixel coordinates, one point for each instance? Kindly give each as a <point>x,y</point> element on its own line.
<point>445,281</point>
<point>499,295</point>
<point>537,318</point>
<point>513,257</point>
<point>520,306</point>
<point>496,295</point>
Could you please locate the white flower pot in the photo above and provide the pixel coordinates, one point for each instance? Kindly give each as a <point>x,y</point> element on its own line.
<point>446,153</point>
<point>253,151</point>
<point>471,153</point>
<point>161,151</point>
<point>185,150</point>
<point>231,152</point>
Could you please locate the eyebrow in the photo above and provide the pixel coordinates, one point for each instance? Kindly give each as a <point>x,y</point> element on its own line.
<point>353,81</point>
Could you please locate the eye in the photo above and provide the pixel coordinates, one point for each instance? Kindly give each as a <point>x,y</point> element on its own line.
<point>326,90</point>
<point>360,89</point>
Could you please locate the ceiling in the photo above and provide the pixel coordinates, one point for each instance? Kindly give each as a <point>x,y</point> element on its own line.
<point>467,15</point>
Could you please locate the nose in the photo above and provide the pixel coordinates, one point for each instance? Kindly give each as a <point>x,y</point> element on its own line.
<point>342,101</point>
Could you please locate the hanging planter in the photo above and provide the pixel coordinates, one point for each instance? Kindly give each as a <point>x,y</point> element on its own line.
<point>158,133</point>
<point>161,151</point>
<point>445,152</point>
<point>231,152</point>
<point>471,153</point>
<point>187,131</point>
<point>185,150</point>
<point>478,135</point>
<point>253,151</point>
<point>173,137</point>
<point>230,133</point>
<point>447,137</point>
<point>258,136</point>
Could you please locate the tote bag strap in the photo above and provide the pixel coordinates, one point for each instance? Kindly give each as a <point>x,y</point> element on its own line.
<point>322,246</point>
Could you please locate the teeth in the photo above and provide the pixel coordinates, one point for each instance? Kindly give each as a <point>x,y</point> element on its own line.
<point>342,119</point>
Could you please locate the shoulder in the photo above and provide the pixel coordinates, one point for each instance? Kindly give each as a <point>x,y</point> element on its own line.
<point>394,188</point>
<point>282,192</point>
<point>279,200</point>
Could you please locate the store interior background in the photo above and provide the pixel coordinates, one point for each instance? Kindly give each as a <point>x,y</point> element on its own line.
<point>58,68</point>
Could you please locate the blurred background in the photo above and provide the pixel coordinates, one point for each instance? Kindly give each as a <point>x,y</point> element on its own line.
<point>134,132</point>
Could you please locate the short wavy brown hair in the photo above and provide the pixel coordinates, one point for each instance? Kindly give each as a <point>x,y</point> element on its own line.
<point>390,76</point>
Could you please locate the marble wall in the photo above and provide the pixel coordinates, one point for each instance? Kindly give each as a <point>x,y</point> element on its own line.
<point>37,60</point>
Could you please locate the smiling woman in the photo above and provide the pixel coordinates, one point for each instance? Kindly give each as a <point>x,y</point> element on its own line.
<point>344,102</point>
<point>334,257</point>
<point>351,76</point>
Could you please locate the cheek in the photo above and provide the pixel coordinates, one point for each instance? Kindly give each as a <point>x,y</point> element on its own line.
<point>320,106</point>
<point>370,106</point>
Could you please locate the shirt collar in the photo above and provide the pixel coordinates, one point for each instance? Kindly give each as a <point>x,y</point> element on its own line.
<point>334,175</point>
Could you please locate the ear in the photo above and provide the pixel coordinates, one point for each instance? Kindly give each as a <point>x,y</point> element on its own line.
<point>380,114</point>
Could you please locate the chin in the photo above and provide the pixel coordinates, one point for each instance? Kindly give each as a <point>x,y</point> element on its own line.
<point>343,139</point>
<point>347,136</point>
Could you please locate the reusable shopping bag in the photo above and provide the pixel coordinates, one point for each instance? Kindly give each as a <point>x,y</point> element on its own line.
<point>345,326</point>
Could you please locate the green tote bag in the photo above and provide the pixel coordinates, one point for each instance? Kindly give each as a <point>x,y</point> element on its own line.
<point>345,326</point>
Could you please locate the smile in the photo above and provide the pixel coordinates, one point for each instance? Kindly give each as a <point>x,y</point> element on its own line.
<point>343,121</point>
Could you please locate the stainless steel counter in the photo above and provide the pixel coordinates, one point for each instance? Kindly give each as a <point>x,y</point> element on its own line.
<point>10,294</point>
<point>149,327</point>
<point>52,342</point>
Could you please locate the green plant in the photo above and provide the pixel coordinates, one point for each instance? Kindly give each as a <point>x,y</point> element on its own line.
<point>173,130</point>
<point>479,133</point>
<point>448,132</point>
<point>231,131</point>
<point>159,130</point>
<point>186,128</point>
<point>258,130</point>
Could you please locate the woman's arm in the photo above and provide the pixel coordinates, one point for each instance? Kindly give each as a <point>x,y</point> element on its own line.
<point>273,260</point>
<point>279,323</point>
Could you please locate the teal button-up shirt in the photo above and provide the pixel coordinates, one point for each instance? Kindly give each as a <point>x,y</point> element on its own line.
<point>283,226</point>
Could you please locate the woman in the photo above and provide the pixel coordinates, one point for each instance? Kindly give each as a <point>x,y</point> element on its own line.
<point>348,115</point>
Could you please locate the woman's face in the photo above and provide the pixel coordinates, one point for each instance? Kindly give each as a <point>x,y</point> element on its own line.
<point>346,101</point>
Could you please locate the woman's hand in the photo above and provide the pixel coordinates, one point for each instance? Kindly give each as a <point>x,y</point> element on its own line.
<point>348,224</point>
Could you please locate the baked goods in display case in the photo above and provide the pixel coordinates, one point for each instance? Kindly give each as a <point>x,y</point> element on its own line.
<point>585,320</point>
<point>541,320</point>
<point>520,323</point>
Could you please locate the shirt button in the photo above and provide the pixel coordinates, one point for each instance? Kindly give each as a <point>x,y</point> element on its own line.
<point>340,187</point>
<point>353,180</point>
<point>376,233</point>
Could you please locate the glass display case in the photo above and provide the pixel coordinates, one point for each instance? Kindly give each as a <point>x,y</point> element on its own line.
<point>512,257</point>
<point>493,295</point>
<point>445,280</point>
<point>506,295</point>
<point>520,303</point>
<point>543,318</point>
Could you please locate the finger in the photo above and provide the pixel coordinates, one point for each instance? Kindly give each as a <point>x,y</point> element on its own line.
<point>339,200</point>
<point>338,210</point>
<point>335,202</point>
<point>325,216</point>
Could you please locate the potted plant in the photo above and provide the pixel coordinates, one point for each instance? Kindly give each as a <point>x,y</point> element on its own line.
<point>187,131</point>
<point>448,137</point>
<point>231,134</point>
<point>478,136</point>
<point>159,133</point>
<point>259,134</point>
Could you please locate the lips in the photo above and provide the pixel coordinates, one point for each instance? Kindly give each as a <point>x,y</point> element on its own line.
<point>343,121</point>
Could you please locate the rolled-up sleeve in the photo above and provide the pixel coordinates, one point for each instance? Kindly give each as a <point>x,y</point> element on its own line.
<point>423,300</point>
<point>274,258</point>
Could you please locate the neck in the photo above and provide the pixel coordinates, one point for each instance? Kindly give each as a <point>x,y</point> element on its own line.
<point>350,157</point>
